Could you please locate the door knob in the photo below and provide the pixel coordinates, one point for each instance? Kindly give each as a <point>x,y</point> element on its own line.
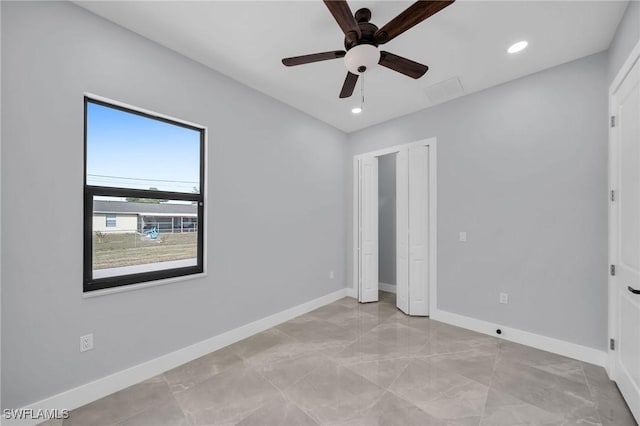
<point>633,290</point>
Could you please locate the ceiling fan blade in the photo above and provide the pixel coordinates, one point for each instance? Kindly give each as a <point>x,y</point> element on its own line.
<point>349,85</point>
<point>315,57</point>
<point>402,65</point>
<point>412,16</point>
<point>344,17</point>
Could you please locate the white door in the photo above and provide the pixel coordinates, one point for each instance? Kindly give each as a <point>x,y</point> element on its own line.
<point>418,230</point>
<point>368,193</point>
<point>402,230</point>
<point>626,238</point>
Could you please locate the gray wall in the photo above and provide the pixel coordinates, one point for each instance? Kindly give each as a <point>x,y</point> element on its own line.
<point>1,236</point>
<point>275,202</point>
<point>627,36</point>
<point>387,218</point>
<point>522,167</point>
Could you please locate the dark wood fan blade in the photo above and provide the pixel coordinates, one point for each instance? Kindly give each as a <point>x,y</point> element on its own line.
<point>402,65</point>
<point>349,85</point>
<point>343,16</point>
<point>416,13</point>
<point>315,57</point>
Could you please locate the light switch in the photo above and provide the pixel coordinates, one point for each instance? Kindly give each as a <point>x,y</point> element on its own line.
<point>463,237</point>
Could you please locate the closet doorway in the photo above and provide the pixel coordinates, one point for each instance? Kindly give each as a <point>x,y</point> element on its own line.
<point>415,226</point>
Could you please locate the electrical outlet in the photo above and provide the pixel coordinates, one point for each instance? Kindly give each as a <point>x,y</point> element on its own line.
<point>86,342</point>
<point>462,237</point>
<point>504,298</point>
<point>331,275</point>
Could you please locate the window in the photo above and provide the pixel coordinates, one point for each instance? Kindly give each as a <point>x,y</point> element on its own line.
<point>143,196</point>
<point>110,221</point>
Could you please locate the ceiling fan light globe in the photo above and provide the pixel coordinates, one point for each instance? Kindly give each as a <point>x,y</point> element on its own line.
<point>362,57</point>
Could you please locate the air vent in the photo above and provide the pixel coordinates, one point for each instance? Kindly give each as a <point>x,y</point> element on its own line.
<point>445,90</point>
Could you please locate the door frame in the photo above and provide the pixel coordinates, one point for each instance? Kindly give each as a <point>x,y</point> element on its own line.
<point>631,60</point>
<point>433,210</point>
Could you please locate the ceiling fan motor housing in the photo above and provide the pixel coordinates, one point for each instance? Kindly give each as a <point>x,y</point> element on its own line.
<point>362,54</point>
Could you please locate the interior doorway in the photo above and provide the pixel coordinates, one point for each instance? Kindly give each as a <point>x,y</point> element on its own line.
<point>414,172</point>
<point>387,223</point>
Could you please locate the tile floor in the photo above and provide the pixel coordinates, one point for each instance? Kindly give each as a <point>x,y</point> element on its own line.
<point>353,364</point>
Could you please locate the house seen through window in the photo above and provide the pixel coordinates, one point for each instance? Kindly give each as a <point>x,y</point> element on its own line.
<point>143,202</point>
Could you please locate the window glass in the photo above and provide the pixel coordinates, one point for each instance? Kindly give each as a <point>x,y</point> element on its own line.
<point>150,242</point>
<point>143,202</point>
<point>126,150</point>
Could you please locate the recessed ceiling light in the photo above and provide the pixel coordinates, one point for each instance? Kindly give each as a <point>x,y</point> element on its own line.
<point>356,110</point>
<point>517,47</point>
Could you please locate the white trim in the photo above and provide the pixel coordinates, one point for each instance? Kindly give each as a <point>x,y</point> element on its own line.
<point>355,287</point>
<point>143,110</point>
<point>433,209</point>
<point>633,57</point>
<point>140,286</point>
<point>396,148</point>
<point>104,386</point>
<point>538,341</point>
<point>433,225</point>
<point>205,196</point>
<point>612,326</point>
<point>389,288</point>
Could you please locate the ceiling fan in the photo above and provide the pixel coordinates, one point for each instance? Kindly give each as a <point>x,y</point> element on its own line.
<point>362,38</point>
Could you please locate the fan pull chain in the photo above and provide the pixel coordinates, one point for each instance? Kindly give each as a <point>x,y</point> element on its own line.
<point>362,93</point>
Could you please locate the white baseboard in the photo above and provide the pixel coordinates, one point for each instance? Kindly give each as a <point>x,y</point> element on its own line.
<point>104,386</point>
<point>390,288</point>
<point>549,344</point>
<point>352,292</point>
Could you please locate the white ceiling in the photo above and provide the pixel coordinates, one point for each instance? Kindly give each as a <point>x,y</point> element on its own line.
<point>247,40</point>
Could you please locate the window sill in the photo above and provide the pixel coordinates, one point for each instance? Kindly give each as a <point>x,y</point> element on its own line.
<point>135,287</point>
